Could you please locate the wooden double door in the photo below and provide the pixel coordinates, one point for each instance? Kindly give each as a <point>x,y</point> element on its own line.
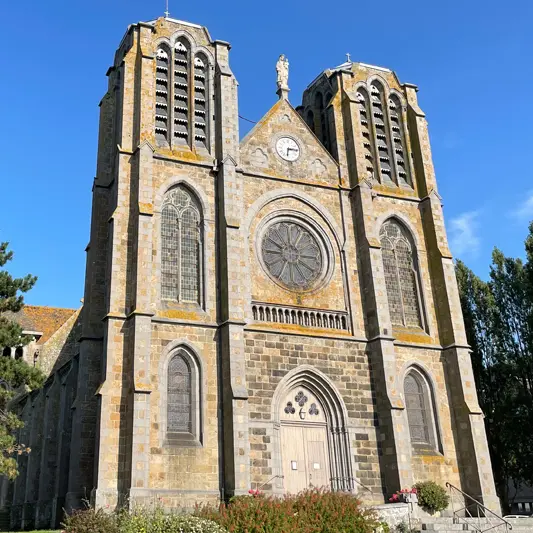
<point>304,441</point>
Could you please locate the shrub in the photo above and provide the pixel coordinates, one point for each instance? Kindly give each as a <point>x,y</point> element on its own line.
<point>432,497</point>
<point>157,521</point>
<point>91,521</point>
<point>312,511</point>
<point>137,521</point>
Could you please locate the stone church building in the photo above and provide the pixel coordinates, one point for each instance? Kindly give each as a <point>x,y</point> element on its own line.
<point>276,312</point>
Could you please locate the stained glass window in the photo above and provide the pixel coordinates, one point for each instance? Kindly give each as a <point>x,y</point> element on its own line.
<point>179,396</point>
<point>180,247</point>
<point>401,277</point>
<point>292,255</point>
<point>418,408</point>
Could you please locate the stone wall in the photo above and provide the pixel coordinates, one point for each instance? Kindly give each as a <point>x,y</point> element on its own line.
<point>269,358</point>
<point>108,393</point>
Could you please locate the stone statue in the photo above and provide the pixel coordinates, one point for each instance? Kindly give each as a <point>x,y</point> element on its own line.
<point>282,68</point>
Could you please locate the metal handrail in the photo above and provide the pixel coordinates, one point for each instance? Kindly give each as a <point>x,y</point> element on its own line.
<point>362,485</point>
<point>480,507</point>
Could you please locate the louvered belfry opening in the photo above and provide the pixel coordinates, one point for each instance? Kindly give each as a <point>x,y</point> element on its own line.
<point>200,100</point>
<point>398,138</point>
<point>181,247</point>
<point>366,129</point>
<point>182,96</point>
<point>181,93</point>
<point>162,112</point>
<point>383,146</point>
<point>401,276</point>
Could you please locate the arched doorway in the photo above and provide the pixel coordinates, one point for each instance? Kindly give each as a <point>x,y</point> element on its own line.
<point>304,441</point>
<point>312,443</point>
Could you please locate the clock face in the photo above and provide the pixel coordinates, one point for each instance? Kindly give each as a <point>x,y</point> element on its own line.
<point>288,149</point>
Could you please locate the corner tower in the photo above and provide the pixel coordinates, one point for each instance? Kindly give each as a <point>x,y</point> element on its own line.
<point>148,414</point>
<point>430,422</point>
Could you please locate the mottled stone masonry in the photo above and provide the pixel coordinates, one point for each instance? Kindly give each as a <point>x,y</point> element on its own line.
<point>269,356</point>
<point>276,401</point>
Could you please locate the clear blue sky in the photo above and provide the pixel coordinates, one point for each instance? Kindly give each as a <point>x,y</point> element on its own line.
<point>471,59</point>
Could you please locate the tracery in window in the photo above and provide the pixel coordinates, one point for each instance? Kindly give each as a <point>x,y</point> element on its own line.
<point>401,275</point>
<point>292,255</point>
<point>181,247</point>
<point>420,412</point>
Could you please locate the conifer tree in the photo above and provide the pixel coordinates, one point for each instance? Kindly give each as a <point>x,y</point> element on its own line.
<point>498,318</point>
<point>14,374</point>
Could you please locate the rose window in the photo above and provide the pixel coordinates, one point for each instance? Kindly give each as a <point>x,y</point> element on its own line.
<point>292,255</point>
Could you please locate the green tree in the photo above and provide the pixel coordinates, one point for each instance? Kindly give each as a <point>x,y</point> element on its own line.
<point>498,319</point>
<point>14,374</point>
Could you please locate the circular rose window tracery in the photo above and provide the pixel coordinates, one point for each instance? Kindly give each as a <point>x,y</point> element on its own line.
<point>292,255</point>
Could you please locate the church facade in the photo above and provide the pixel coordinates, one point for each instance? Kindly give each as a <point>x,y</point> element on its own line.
<point>272,313</point>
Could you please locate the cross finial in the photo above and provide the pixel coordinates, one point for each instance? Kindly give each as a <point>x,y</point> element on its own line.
<point>166,12</point>
<point>348,58</point>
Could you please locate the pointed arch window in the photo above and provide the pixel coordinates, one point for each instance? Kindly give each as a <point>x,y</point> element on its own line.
<point>420,410</point>
<point>322,126</point>
<point>179,400</point>
<point>401,275</point>
<point>181,247</point>
<point>310,119</point>
<point>183,405</point>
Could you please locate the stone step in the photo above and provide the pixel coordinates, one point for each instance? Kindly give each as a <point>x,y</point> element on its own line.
<point>444,526</point>
<point>438,519</point>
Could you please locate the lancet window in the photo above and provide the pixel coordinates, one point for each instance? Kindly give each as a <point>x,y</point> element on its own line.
<point>420,410</point>
<point>181,247</point>
<point>401,275</point>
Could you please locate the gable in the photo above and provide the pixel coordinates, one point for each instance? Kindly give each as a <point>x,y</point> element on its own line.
<point>260,156</point>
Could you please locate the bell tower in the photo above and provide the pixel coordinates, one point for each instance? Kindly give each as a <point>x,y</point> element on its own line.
<point>372,125</point>
<point>148,415</point>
